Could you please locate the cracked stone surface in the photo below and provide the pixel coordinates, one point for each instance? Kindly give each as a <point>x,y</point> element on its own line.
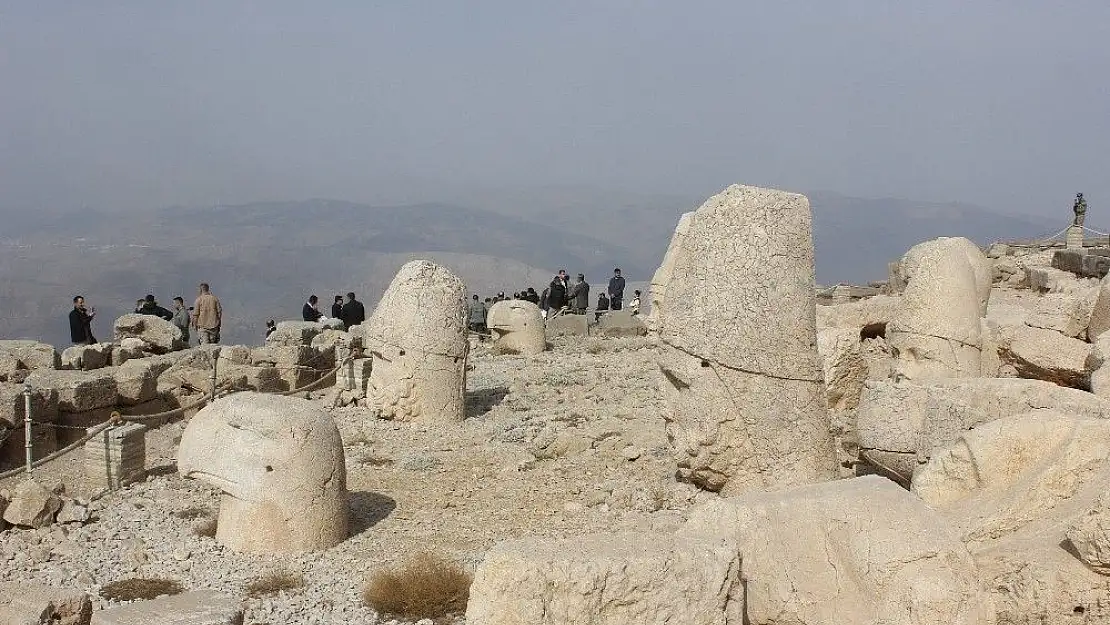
<point>517,327</point>
<point>739,366</point>
<point>861,551</point>
<point>417,337</point>
<point>936,332</point>
<point>279,462</point>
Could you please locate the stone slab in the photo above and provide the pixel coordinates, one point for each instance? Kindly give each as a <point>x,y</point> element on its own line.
<point>199,607</point>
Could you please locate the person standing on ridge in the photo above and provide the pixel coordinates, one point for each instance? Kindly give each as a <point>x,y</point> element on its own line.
<point>337,307</point>
<point>207,316</point>
<point>181,318</point>
<point>353,312</point>
<point>476,317</point>
<point>557,292</point>
<point>602,306</point>
<point>311,309</point>
<point>80,322</point>
<point>579,296</point>
<point>151,307</point>
<point>616,290</point>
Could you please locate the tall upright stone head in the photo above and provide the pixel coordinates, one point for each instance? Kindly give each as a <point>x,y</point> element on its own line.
<point>936,333</point>
<point>279,462</point>
<point>417,338</point>
<point>739,363</point>
<point>662,276</point>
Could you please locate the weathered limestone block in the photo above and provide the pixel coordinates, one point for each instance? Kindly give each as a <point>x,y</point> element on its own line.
<point>293,333</point>
<point>283,356</point>
<point>568,325</point>
<point>87,357</point>
<point>936,333</point>
<point>193,370</point>
<point>78,391</point>
<point>517,327</point>
<point>24,603</point>
<point>620,323</point>
<point>902,424</point>
<point>614,579</point>
<point>417,337</point>
<point>1049,280</point>
<point>662,276</point>
<point>116,457</point>
<point>31,355</point>
<point>128,349</point>
<point>197,607</point>
<point>740,370</point>
<point>44,405</point>
<point>159,335</point>
<point>873,313</point>
<point>279,461</point>
<point>1098,363</point>
<point>32,505</point>
<point>1068,314</point>
<point>1012,488</point>
<point>137,380</point>
<point>1090,536</point>
<point>1100,311</point>
<point>844,366</point>
<point>1046,355</point>
<point>860,551</point>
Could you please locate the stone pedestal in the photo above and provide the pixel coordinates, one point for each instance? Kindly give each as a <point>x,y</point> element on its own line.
<point>117,456</point>
<point>1075,238</point>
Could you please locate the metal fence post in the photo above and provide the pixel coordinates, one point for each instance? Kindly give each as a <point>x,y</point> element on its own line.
<point>27,434</point>
<point>215,364</point>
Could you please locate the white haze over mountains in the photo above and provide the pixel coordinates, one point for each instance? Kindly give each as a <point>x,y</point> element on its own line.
<point>516,137</point>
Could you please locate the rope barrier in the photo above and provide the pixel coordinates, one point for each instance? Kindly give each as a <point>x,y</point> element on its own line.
<point>116,418</point>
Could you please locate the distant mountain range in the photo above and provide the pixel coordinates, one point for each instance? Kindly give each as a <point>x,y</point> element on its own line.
<point>263,259</point>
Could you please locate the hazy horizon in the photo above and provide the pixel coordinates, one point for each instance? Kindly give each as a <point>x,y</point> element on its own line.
<point>131,105</point>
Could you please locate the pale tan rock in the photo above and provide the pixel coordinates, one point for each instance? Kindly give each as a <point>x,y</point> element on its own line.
<point>936,333</point>
<point>44,405</point>
<point>619,324</point>
<point>137,380</point>
<point>740,371</point>
<point>616,579</point>
<point>568,325</point>
<point>1098,363</point>
<point>1068,314</point>
<point>1012,488</point>
<point>198,607</point>
<point>418,339</point>
<point>873,313</point>
<point>293,333</point>
<point>1050,280</point>
<point>844,366</point>
<point>517,327</point>
<point>902,424</point>
<point>159,335</point>
<point>23,603</point>
<point>32,505</point>
<point>1100,311</point>
<point>1046,355</point>
<point>1090,536</point>
<point>87,357</point>
<point>78,391</point>
<point>279,461</point>
<point>31,355</point>
<point>662,276</point>
<point>860,551</point>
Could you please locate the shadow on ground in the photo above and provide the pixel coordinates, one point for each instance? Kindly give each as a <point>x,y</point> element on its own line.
<point>367,509</point>
<point>481,401</point>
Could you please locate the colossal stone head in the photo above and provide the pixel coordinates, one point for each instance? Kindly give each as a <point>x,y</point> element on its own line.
<point>937,332</point>
<point>417,338</point>
<point>658,291</point>
<point>517,326</point>
<point>279,461</point>
<point>737,327</point>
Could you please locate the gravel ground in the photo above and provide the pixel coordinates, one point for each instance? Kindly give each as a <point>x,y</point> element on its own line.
<point>561,444</point>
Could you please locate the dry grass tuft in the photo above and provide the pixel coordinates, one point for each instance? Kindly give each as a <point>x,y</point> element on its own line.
<point>140,588</point>
<point>428,585</point>
<point>195,512</point>
<point>205,527</point>
<point>273,583</point>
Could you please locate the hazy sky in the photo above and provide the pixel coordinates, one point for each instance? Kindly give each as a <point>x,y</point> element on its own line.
<point>146,103</point>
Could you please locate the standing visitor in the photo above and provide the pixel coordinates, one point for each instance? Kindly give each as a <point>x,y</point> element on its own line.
<point>602,306</point>
<point>616,290</point>
<point>337,307</point>
<point>353,312</point>
<point>476,317</point>
<point>311,309</point>
<point>207,316</point>
<point>181,318</point>
<point>80,322</point>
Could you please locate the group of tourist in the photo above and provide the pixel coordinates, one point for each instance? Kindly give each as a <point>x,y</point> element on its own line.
<point>205,317</point>
<point>351,312</point>
<point>560,297</point>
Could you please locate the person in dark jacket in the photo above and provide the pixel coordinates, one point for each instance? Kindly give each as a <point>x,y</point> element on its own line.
<point>476,317</point>
<point>311,309</point>
<point>616,290</point>
<point>151,307</point>
<point>337,307</point>
<point>543,302</point>
<point>557,292</point>
<point>579,296</point>
<point>602,306</point>
<point>80,322</point>
<point>532,296</point>
<point>353,312</point>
